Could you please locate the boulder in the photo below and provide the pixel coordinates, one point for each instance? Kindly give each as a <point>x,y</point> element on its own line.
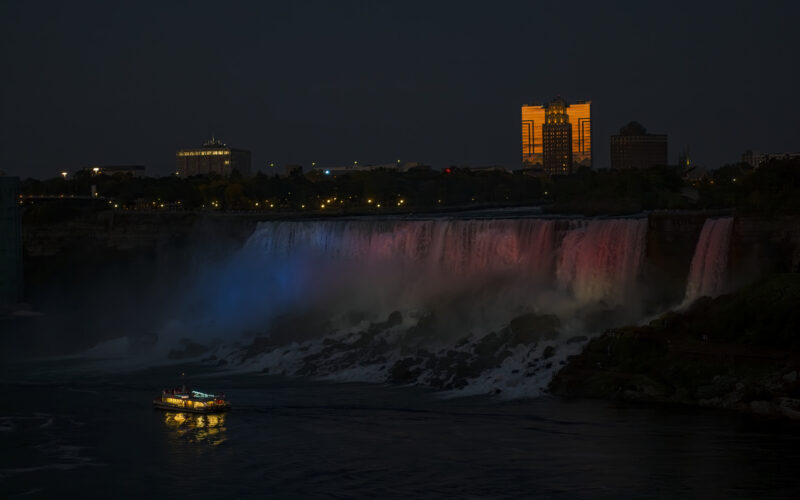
<point>531,328</point>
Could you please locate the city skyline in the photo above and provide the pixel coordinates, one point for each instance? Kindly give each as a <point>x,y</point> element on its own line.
<point>374,83</point>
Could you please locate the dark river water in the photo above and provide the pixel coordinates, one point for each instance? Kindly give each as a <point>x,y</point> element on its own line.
<point>67,431</point>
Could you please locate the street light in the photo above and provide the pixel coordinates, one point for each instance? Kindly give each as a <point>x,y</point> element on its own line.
<point>64,174</point>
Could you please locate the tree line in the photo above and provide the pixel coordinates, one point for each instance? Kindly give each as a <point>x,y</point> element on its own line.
<point>771,189</point>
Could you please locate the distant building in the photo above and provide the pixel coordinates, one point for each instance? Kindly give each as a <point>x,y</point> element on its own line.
<point>355,167</point>
<point>633,147</point>
<point>127,170</point>
<point>557,137</point>
<point>213,157</point>
<point>10,242</point>
<point>756,160</point>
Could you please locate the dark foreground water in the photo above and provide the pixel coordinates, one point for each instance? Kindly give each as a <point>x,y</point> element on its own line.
<point>68,433</point>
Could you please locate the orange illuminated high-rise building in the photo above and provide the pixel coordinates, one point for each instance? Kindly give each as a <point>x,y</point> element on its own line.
<point>548,128</point>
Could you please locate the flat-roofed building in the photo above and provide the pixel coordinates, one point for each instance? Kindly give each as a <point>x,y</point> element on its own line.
<point>10,242</point>
<point>212,158</point>
<point>569,122</point>
<point>633,147</point>
<point>757,160</point>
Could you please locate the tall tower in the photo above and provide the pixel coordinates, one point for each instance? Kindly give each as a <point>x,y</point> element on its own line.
<point>579,119</point>
<point>557,139</point>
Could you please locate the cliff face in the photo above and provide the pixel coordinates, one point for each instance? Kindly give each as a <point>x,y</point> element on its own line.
<point>767,243</point>
<point>759,246</point>
<point>131,231</point>
<point>71,250</point>
<point>103,275</point>
<point>671,242</point>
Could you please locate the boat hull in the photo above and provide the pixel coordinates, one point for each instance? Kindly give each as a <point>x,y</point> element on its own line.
<point>166,406</point>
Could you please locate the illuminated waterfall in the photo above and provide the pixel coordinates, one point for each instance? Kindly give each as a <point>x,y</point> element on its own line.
<point>601,260</point>
<point>594,260</point>
<point>709,270</point>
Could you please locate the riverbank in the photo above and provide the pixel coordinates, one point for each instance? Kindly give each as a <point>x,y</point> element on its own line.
<point>738,351</point>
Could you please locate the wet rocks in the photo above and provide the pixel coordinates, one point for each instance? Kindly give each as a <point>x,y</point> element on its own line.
<point>187,349</point>
<point>419,354</point>
<point>532,328</point>
<point>257,346</point>
<point>423,330</point>
<point>405,371</point>
<point>701,356</point>
<point>577,338</point>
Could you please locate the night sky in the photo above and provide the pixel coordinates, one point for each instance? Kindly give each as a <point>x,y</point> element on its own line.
<point>333,82</point>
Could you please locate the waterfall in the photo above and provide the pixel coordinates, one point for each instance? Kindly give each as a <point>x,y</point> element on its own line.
<point>420,301</point>
<point>592,260</point>
<point>708,275</point>
<point>600,261</point>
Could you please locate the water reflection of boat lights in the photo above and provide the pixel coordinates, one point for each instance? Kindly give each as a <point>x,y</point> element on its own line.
<point>210,427</point>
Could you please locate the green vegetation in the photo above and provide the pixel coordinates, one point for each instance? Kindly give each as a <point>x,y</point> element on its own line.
<point>358,191</point>
<point>595,192</point>
<point>773,189</point>
<point>738,351</point>
<point>770,190</point>
<point>763,314</point>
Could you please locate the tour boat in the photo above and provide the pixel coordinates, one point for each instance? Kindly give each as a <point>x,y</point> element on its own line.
<point>191,401</point>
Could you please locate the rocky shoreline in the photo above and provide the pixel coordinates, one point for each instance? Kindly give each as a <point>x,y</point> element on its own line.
<point>739,352</point>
